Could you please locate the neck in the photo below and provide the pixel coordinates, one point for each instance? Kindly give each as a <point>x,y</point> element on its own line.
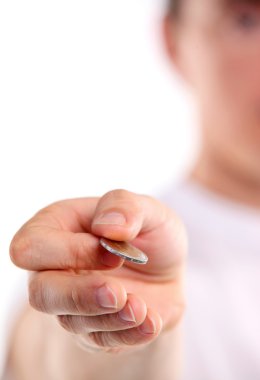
<point>218,177</point>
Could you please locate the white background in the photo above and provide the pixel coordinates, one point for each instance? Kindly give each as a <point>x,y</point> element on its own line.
<point>88,103</point>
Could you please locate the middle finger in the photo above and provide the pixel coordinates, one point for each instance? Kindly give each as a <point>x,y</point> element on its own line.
<point>83,293</point>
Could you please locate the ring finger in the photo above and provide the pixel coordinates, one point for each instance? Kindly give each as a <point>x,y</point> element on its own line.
<point>132,315</point>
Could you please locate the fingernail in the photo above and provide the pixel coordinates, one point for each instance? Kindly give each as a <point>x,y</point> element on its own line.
<point>127,313</point>
<point>106,297</point>
<point>148,326</point>
<point>110,218</point>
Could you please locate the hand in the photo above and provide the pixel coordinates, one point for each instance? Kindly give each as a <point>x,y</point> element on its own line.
<point>106,302</point>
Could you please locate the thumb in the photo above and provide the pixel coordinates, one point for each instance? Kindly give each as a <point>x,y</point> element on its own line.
<point>151,226</point>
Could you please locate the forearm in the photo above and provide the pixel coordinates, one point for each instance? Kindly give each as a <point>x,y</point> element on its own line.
<point>41,349</point>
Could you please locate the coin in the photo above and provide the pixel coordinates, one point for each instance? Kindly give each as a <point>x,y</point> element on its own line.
<point>125,250</point>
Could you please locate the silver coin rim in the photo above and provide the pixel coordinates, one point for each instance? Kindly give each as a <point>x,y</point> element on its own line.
<point>118,253</point>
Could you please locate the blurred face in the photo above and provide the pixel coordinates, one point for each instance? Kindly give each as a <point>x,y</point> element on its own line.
<point>216,45</point>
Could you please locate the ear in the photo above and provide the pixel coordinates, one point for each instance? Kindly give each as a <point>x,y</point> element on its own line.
<point>170,35</point>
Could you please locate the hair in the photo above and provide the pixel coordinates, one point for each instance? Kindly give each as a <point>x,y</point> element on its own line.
<point>174,7</point>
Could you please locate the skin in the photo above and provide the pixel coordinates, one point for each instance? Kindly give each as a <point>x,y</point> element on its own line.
<point>60,247</point>
<point>214,45</point>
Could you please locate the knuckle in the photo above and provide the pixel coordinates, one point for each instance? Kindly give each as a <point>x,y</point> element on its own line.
<point>179,311</point>
<point>118,194</point>
<point>88,344</point>
<point>102,339</point>
<point>112,340</point>
<point>120,198</point>
<point>66,321</point>
<point>39,297</point>
<point>128,339</point>
<point>183,235</point>
<point>98,338</point>
<point>80,250</point>
<point>50,208</point>
<point>181,226</point>
<point>182,309</point>
<point>106,322</point>
<point>20,246</point>
<point>179,233</point>
<point>106,342</point>
<point>115,350</point>
<point>79,301</point>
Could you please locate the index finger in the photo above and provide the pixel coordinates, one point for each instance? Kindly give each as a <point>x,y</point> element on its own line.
<point>57,237</point>
<point>64,235</point>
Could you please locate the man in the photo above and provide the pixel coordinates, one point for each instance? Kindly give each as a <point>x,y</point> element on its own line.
<point>102,318</point>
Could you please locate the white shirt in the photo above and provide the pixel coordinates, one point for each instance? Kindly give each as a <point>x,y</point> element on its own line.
<point>222,318</point>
